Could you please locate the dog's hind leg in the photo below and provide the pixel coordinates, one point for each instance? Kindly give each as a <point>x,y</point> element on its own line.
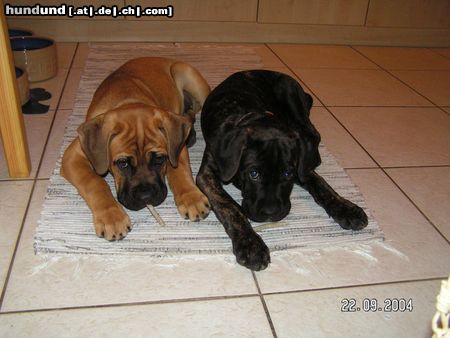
<point>191,106</point>
<point>193,89</point>
<point>189,81</point>
<point>347,214</point>
<point>248,247</point>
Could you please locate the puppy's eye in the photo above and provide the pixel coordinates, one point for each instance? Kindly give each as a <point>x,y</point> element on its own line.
<point>254,174</point>
<point>158,159</point>
<point>287,174</point>
<point>122,163</point>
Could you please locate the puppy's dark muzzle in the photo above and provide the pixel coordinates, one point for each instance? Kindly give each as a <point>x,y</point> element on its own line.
<point>142,195</point>
<point>267,213</point>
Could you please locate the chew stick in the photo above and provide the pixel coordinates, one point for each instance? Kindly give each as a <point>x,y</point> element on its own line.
<point>269,226</point>
<point>155,214</point>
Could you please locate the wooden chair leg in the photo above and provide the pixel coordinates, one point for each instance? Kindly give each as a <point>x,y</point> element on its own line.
<point>11,120</point>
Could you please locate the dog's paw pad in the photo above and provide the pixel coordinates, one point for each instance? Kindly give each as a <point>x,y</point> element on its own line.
<point>251,252</point>
<point>351,216</point>
<point>193,205</point>
<point>112,223</point>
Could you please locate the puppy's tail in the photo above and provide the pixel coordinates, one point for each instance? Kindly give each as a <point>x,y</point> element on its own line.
<point>191,86</point>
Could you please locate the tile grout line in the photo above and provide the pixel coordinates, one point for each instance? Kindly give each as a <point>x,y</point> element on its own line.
<point>16,246</point>
<point>264,305</point>
<point>367,14</point>
<point>417,207</point>
<point>410,281</point>
<point>362,147</point>
<point>34,180</point>
<point>404,167</point>
<point>129,304</point>
<point>217,298</point>
<point>434,105</point>
<point>257,11</point>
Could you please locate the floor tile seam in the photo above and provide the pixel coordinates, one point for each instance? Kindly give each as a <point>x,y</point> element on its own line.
<point>417,69</point>
<point>378,68</point>
<point>398,79</point>
<point>217,298</point>
<point>365,150</point>
<point>425,166</point>
<point>410,199</point>
<point>257,11</point>
<point>384,170</point>
<point>131,304</point>
<point>9,180</point>
<point>437,70</point>
<point>16,179</point>
<point>367,14</point>
<point>264,305</point>
<point>52,123</point>
<point>16,245</point>
<point>355,286</point>
<point>359,167</point>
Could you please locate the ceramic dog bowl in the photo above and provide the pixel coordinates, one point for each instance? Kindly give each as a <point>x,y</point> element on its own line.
<point>15,33</point>
<point>36,55</point>
<point>22,85</point>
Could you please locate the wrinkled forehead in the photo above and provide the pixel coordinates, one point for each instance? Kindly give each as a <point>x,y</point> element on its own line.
<point>276,150</point>
<point>137,136</point>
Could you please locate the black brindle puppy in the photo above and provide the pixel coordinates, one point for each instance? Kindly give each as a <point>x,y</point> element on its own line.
<point>259,137</point>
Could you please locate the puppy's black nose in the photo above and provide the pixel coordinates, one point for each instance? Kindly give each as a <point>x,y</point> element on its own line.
<point>270,210</point>
<point>150,194</point>
<point>144,195</point>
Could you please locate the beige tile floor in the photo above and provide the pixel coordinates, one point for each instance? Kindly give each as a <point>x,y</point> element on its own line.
<point>383,112</point>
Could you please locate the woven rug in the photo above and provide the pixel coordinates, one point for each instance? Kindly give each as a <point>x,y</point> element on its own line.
<point>65,225</point>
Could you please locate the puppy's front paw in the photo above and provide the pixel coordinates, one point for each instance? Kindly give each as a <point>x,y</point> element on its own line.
<point>193,205</point>
<point>112,223</point>
<point>251,252</point>
<point>350,216</point>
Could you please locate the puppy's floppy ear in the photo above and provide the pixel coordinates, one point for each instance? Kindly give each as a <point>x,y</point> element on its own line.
<point>175,129</point>
<point>308,102</point>
<point>309,157</point>
<point>228,152</point>
<point>229,147</point>
<point>95,136</point>
<point>292,99</point>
